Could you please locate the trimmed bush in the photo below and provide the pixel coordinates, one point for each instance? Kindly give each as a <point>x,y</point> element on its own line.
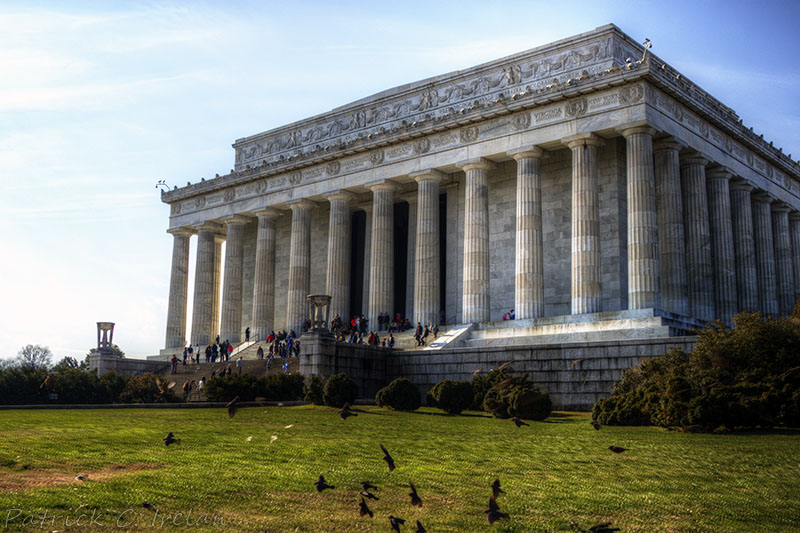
<point>312,391</point>
<point>481,385</point>
<point>339,390</point>
<point>145,389</point>
<point>400,394</point>
<point>430,396</point>
<point>287,387</point>
<point>747,376</point>
<point>248,387</point>
<point>453,396</point>
<point>517,396</point>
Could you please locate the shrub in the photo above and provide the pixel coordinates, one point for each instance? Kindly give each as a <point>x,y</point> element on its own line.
<point>453,396</point>
<point>400,394</point>
<point>22,385</point>
<point>430,396</point>
<point>481,385</point>
<point>287,387</point>
<point>75,386</point>
<point>738,377</point>
<point>517,396</point>
<point>248,387</point>
<point>312,391</point>
<point>339,390</point>
<point>112,384</point>
<point>145,389</point>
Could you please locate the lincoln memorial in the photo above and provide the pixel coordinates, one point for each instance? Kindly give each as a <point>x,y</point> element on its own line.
<point>586,184</point>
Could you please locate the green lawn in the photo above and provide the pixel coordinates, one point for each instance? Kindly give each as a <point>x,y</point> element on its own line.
<point>236,472</point>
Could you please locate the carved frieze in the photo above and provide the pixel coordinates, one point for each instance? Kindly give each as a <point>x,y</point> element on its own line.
<point>576,107</point>
<point>469,134</point>
<point>333,168</point>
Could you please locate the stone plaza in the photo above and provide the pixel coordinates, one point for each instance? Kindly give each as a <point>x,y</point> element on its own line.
<point>586,184</point>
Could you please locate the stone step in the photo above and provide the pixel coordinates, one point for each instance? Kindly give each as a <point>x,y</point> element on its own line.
<point>577,336</point>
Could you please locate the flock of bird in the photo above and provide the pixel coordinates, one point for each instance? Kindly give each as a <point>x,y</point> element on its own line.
<point>493,513</point>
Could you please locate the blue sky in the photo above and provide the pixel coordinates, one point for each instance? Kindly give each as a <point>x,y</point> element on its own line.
<point>99,100</point>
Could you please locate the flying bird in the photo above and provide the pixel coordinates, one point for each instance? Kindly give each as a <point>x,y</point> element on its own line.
<point>345,411</point>
<point>415,499</point>
<point>496,490</point>
<point>231,406</point>
<point>170,439</point>
<point>322,485</point>
<point>368,495</point>
<point>596,425</point>
<point>518,421</point>
<point>364,509</point>
<point>148,506</point>
<point>419,529</point>
<point>396,523</point>
<point>493,513</point>
<point>617,449</point>
<point>366,485</point>
<point>387,458</point>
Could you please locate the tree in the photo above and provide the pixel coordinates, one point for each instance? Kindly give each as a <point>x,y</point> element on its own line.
<point>35,356</point>
<point>114,348</point>
<point>68,363</point>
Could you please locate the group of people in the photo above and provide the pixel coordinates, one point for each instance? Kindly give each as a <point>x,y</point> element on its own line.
<point>281,344</point>
<point>357,330</point>
<point>509,316</point>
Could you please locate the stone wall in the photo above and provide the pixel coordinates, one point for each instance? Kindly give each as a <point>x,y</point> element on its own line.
<point>575,375</point>
<point>125,366</point>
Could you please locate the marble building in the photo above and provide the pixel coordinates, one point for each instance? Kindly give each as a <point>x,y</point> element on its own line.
<point>585,178</point>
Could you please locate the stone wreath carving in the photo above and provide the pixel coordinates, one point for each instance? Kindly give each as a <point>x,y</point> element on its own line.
<point>175,209</point>
<point>230,194</point>
<point>522,121</point>
<point>469,134</point>
<point>333,168</point>
<point>630,95</point>
<point>421,146</point>
<point>576,108</point>
<point>200,202</point>
<point>376,157</point>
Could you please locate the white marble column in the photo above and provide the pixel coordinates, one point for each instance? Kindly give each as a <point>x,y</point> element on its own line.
<point>671,240</point>
<point>337,278</point>
<point>231,329</point>
<point>206,268</point>
<point>178,288</point>
<point>719,213</point>
<point>475,285</point>
<point>699,265</point>
<point>784,271</point>
<point>264,275</point>
<point>765,254</point>
<point>427,300</point>
<point>529,258</point>
<point>381,275</point>
<point>585,224</point>
<point>794,232</point>
<point>744,246</point>
<point>299,265</point>
<point>644,286</point>
<point>411,255</point>
<point>367,258</point>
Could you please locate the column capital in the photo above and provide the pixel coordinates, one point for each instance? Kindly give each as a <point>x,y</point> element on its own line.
<point>339,194</point>
<point>302,203</point>
<point>780,207</point>
<point>794,215</point>
<point>382,185</point>
<point>478,163</point>
<point>738,184</point>
<point>762,196</point>
<point>234,219</point>
<point>526,151</point>
<point>268,212</point>
<point>582,139</point>
<point>637,127</point>
<point>182,231</point>
<point>213,227</point>
<point>693,158</point>
<point>668,143</point>
<point>719,172</point>
<point>428,175</point>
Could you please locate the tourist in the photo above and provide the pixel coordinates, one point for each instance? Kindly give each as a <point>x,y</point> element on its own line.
<point>239,365</point>
<point>435,331</point>
<point>185,355</point>
<point>201,385</point>
<point>297,348</point>
<point>260,353</point>
<point>247,335</point>
<point>174,362</point>
<point>391,341</point>
<point>191,352</point>
<point>229,350</point>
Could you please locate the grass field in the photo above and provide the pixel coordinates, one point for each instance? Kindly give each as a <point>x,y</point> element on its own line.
<point>256,472</point>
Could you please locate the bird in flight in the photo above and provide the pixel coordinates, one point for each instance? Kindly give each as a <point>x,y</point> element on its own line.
<point>496,490</point>
<point>231,406</point>
<point>387,458</point>
<point>322,485</point>
<point>419,529</point>
<point>364,509</point>
<point>368,495</point>
<point>596,425</point>
<point>396,523</point>
<point>345,411</point>
<point>170,439</point>
<point>415,499</point>
<point>366,485</point>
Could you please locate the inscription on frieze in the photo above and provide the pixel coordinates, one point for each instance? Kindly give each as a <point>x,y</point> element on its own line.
<point>548,115</point>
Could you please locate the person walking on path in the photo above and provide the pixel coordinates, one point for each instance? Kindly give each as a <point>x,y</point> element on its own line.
<point>239,365</point>
<point>174,362</point>
<point>260,352</point>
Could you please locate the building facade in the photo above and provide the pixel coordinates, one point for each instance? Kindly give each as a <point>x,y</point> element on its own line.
<point>581,177</point>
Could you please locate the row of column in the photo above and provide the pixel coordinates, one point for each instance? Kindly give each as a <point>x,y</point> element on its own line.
<point>699,243</point>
